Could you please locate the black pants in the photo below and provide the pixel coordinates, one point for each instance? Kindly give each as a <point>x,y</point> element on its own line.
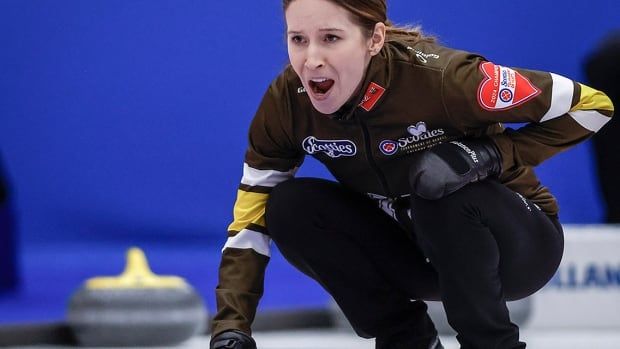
<point>485,245</point>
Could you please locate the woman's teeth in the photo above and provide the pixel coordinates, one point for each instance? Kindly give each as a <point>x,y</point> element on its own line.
<point>321,85</point>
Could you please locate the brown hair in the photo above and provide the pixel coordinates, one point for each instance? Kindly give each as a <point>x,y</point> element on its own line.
<point>367,13</point>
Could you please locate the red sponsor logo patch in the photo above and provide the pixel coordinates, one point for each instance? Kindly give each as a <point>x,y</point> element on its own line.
<point>503,88</point>
<point>372,95</point>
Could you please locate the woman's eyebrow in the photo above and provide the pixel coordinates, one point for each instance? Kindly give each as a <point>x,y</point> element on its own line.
<point>331,30</point>
<point>321,30</point>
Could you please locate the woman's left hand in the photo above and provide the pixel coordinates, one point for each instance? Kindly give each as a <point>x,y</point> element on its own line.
<point>447,167</point>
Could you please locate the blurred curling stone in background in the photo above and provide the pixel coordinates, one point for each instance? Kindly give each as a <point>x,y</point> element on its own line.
<point>137,308</point>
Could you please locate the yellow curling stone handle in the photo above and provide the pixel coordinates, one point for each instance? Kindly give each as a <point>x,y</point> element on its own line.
<point>137,274</point>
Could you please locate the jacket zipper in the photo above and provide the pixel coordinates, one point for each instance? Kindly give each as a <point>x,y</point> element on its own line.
<point>371,161</point>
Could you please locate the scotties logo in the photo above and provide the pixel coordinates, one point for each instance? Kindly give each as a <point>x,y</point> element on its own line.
<point>418,129</point>
<point>419,132</point>
<point>333,148</point>
<point>419,137</point>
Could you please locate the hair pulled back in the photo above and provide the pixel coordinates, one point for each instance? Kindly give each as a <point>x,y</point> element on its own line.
<point>367,13</point>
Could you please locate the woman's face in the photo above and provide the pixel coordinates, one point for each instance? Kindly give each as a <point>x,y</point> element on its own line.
<point>328,52</point>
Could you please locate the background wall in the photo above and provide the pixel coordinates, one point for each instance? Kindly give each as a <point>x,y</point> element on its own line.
<point>126,120</point>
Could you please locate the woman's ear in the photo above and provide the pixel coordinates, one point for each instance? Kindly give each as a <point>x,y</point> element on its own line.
<point>377,38</point>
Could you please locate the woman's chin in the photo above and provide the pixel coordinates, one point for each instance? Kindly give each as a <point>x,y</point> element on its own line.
<point>325,107</point>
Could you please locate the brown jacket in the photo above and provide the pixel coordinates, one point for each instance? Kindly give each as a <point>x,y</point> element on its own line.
<point>413,96</point>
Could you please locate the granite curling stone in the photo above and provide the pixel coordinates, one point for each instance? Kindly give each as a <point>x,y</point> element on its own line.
<point>137,308</point>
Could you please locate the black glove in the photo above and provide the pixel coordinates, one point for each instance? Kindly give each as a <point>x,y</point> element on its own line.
<point>447,167</point>
<point>232,339</point>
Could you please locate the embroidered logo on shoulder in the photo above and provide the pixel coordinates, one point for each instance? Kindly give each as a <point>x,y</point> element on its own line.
<point>372,95</point>
<point>503,88</point>
<point>333,148</point>
<point>421,56</point>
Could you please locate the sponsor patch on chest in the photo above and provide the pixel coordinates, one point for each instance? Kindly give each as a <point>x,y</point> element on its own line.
<point>419,137</point>
<point>372,95</point>
<point>331,147</point>
<point>503,88</point>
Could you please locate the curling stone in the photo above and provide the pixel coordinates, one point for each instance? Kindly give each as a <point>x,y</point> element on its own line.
<point>137,308</point>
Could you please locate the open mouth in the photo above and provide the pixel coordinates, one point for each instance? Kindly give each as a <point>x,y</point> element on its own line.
<point>321,86</point>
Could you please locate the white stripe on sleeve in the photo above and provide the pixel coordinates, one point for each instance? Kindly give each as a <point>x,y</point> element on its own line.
<point>250,239</point>
<point>590,119</point>
<point>265,178</point>
<point>561,97</point>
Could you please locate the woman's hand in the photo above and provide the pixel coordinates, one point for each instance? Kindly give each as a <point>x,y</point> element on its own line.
<point>447,167</point>
<point>232,339</point>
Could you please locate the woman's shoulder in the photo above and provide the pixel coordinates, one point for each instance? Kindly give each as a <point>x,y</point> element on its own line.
<point>424,53</point>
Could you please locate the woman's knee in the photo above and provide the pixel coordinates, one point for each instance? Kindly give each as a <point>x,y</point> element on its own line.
<point>439,221</point>
<point>290,203</point>
<point>293,195</point>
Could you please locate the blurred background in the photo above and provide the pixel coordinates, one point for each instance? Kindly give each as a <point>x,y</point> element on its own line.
<point>124,123</point>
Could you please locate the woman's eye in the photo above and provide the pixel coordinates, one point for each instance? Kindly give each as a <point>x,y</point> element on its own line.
<point>297,39</point>
<point>331,38</point>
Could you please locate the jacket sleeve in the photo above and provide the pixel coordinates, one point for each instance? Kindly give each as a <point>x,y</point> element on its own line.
<point>270,159</point>
<point>558,112</point>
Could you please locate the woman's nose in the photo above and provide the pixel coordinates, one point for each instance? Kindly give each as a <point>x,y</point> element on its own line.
<point>314,57</point>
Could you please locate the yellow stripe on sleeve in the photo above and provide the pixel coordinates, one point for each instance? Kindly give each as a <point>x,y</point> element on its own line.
<point>592,99</point>
<point>249,208</point>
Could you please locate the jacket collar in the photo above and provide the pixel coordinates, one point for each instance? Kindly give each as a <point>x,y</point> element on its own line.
<point>372,90</point>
